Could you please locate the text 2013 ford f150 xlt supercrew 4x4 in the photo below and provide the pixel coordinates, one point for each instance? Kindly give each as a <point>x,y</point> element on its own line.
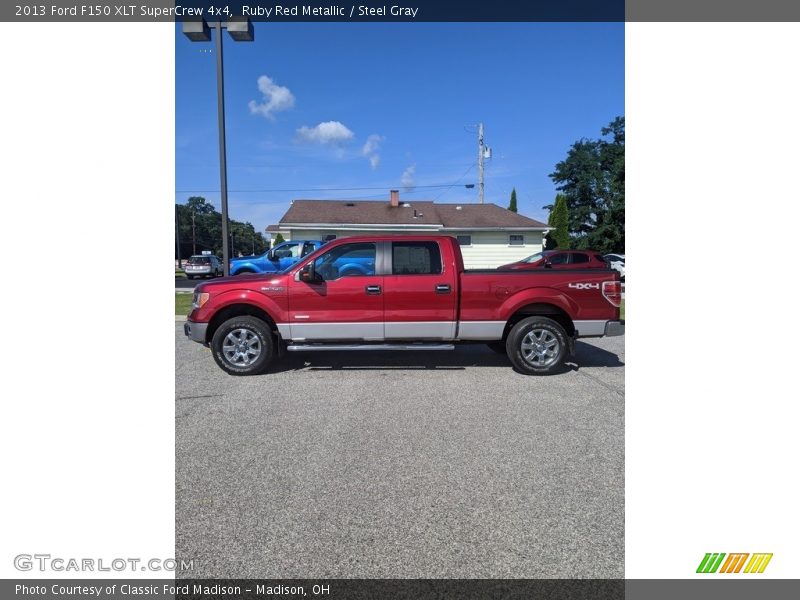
<point>414,294</point>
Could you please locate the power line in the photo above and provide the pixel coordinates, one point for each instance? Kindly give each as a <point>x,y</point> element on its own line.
<point>457,182</point>
<point>341,189</point>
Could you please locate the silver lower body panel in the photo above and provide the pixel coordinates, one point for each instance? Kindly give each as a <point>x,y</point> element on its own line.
<point>366,347</point>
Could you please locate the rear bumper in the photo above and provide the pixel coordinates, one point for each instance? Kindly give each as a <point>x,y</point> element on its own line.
<point>195,331</point>
<point>615,328</point>
<point>599,328</point>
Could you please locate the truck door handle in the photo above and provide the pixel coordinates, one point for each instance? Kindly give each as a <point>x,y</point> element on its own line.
<point>443,288</point>
<point>373,290</point>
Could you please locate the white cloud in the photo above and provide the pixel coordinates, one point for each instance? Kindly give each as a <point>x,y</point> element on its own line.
<point>372,144</point>
<point>329,132</point>
<point>370,149</point>
<point>275,98</point>
<point>407,179</point>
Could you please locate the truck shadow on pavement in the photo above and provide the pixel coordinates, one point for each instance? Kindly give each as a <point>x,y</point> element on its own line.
<point>467,355</point>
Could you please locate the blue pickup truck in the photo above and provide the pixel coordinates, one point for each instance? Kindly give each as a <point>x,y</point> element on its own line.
<point>276,259</point>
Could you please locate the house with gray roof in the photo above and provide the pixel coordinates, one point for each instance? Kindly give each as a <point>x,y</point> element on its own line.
<point>488,234</point>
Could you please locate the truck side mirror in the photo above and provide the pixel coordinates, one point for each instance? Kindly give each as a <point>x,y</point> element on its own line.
<point>308,274</point>
<point>548,264</point>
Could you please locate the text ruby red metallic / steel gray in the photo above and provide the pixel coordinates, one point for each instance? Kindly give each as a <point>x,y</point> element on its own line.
<point>303,310</point>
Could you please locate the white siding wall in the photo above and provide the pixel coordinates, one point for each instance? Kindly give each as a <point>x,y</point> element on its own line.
<point>489,249</point>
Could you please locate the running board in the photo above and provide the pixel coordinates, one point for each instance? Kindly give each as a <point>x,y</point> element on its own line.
<point>357,347</point>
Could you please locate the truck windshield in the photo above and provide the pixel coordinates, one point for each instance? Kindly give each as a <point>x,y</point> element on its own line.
<point>533,258</point>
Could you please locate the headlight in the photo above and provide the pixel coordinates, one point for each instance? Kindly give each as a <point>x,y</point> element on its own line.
<point>198,300</point>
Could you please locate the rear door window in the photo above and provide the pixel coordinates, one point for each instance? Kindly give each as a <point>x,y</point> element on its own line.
<point>579,258</point>
<point>416,258</point>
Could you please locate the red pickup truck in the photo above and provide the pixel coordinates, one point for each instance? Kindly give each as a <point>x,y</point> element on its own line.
<point>402,293</point>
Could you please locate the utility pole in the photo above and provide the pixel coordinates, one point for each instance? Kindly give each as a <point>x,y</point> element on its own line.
<point>194,245</point>
<point>241,30</point>
<point>178,237</point>
<point>480,163</point>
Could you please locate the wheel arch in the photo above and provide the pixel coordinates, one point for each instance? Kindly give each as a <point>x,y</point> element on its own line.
<point>541,309</point>
<point>238,310</point>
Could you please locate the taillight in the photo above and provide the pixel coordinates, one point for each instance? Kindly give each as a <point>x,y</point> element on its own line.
<point>612,291</point>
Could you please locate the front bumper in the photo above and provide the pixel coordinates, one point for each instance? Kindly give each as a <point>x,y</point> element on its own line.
<point>615,328</point>
<point>195,331</point>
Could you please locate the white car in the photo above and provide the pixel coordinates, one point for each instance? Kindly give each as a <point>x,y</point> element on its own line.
<point>616,262</point>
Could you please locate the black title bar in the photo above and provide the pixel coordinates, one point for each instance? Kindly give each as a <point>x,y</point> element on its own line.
<point>406,11</point>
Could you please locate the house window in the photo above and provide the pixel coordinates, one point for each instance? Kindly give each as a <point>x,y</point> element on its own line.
<point>464,240</point>
<point>328,237</point>
<point>516,240</point>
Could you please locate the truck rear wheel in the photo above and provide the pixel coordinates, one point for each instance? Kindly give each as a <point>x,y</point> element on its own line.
<point>537,346</point>
<point>243,346</point>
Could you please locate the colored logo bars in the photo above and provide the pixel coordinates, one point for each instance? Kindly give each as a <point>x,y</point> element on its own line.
<point>734,563</point>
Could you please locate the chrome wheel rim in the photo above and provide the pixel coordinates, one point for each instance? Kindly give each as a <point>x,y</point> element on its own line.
<point>540,347</point>
<point>241,347</point>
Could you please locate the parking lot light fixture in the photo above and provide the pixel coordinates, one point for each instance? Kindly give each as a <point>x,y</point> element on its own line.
<point>240,30</point>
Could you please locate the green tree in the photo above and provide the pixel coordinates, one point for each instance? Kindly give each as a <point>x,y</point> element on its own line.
<point>512,206</point>
<point>278,240</point>
<point>559,220</point>
<point>208,230</point>
<point>199,205</point>
<point>592,177</point>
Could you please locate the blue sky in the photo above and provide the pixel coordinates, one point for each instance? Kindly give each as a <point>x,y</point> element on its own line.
<point>355,105</point>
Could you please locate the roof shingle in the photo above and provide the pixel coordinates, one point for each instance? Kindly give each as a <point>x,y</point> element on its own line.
<point>418,212</point>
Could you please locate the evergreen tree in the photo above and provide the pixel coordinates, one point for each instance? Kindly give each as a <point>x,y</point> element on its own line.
<point>559,220</point>
<point>592,177</point>
<point>512,206</point>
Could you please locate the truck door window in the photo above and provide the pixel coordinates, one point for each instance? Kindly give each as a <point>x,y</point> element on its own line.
<point>559,259</point>
<point>288,251</point>
<point>578,258</point>
<point>347,260</point>
<point>416,258</point>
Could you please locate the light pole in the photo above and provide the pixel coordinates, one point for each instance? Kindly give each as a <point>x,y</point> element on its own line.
<point>241,30</point>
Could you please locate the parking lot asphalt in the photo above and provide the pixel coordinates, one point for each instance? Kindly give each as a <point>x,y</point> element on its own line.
<point>401,465</point>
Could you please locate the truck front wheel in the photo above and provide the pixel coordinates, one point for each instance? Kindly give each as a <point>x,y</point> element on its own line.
<point>537,346</point>
<point>243,346</point>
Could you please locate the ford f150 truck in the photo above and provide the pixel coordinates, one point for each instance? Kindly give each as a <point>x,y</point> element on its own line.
<point>414,295</point>
<point>276,259</point>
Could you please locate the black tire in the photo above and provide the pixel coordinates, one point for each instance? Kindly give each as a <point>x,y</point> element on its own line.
<point>245,272</point>
<point>234,361</point>
<point>537,346</point>
<point>498,347</point>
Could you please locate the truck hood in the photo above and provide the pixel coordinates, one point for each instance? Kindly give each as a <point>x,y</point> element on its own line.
<point>250,281</point>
